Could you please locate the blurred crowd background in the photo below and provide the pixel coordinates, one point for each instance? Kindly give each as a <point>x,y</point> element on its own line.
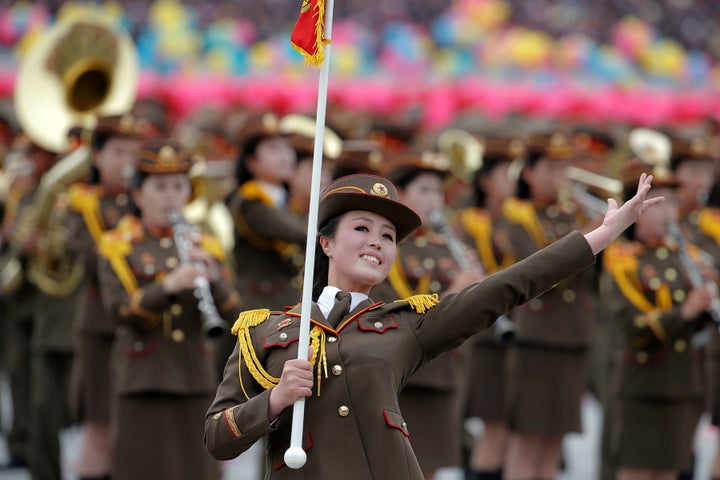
<point>645,62</point>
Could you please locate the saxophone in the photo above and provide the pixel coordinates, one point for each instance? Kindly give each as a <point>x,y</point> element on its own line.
<point>504,329</point>
<point>214,326</point>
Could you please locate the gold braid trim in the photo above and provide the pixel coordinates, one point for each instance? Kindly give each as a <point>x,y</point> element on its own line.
<point>251,190</point>
<point>422,303</point>
<point>479,226</point>
<point>211,245</point>
<point>398,280</point>
<point>115,248</point>
<point>523,213</point>
<point>241,328</point>
<point>709,223</point>
<point>621,262</point>
<point>85,201</point>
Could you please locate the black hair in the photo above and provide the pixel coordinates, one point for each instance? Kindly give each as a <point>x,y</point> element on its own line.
<point>322,262</point>
<point>491,160</point>
<point>534,155</point>
<point>136,184</point>
<point>248,149</point>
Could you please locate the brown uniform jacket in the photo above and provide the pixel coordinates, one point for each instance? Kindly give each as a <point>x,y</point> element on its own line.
<point>94,212</point>
<point>562,317</point>
<point>159,345</point>
<point>646,288</point>
<point>354,429</point>
<point>269,248</point>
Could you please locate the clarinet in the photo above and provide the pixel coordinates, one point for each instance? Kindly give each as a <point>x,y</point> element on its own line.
<point>693,270</point>
<point>504,329</point>
<point>213,325</point>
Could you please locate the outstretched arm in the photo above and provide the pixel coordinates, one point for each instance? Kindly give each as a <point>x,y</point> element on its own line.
<point>618,219</point>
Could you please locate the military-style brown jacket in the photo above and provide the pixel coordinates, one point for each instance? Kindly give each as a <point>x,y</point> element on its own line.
<point>94,212</point>
<point>159,345</point>
<point>354,429</point>
<point>646,287</point>
<point>269,250</point>
<point>562,317</point>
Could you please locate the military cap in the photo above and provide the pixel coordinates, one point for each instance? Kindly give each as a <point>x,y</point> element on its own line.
<point>367,192</point>
<point>164,155</point>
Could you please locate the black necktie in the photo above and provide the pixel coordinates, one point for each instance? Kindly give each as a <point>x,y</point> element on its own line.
<point>340,309</point>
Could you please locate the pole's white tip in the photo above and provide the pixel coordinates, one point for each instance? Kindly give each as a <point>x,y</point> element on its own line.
<point>295,457</point>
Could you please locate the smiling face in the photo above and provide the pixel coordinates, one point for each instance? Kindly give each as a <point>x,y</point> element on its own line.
<point>362,251</point>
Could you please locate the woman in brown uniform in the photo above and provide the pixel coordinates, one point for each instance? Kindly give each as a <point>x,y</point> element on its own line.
<point>163,371</point>
<point>659,381</point>
<point>431,400</point>
<point>354,428</point>
<point>97,206</point>
<point>493,183</point>
<point>548,363</point>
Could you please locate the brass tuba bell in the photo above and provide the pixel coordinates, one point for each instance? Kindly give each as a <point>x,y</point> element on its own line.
<point>76,72</point>
<point>463,150</point>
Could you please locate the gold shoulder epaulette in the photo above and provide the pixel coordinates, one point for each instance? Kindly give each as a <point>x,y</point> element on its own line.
<point>422,303</point>
<point>212,245</point>
<point>82,197</point>
<point>250,318</point>
<point>522,212</point>
<point>252,191</point>
<point>621,256</point>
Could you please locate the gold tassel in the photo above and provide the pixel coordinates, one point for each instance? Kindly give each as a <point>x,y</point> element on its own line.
<point>241,328</point>
<point>317,341</point>
<point>422,303</point>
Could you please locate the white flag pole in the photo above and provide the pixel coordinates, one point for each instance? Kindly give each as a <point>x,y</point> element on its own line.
<point>295,456</point>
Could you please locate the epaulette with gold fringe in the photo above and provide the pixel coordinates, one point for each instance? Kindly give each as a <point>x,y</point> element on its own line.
<point>421,303</point>
<point>252,191</point>
<point>523,213</point>
<point>478,224</point>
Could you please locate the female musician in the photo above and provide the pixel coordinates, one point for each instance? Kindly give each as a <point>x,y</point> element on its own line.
<point>659,382</point>
<point>483,223</point>
<point>548,364</point>
<point>98,205</point>
<point>354,425</point>
<point>431,400</point>
<point>164,374</point>
<point>269,238</point>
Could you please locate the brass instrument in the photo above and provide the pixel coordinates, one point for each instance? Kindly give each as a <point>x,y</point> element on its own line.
<point>580,180</point>
<point>214,326</point>
<point>76,72</point>
<point>463,150</point>
<point>504,329</point>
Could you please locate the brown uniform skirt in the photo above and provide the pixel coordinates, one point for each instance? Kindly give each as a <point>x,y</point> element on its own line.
<point>90,383</point>
<point>487,383</point>
<point>545,389</point>
<point>434,423</point>
<point>655,435</point>
<point>160,436</point>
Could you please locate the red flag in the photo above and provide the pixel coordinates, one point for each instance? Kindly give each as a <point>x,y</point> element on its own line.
<point>308,35</point>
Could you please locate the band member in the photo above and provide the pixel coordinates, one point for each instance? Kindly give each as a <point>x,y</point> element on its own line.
<point>368,349</point>
<point>98,204</point>
<point>20,230</point>
<point>164,373</point>
<point>493,183</point>
<point>432,398</point>
<point>548,362</point>
<point>659,381</point>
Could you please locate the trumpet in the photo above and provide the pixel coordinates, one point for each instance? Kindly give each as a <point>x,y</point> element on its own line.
<point>213,326</point>
<point>594,207</point>
<point>693,270</point>
<point>504,329</point>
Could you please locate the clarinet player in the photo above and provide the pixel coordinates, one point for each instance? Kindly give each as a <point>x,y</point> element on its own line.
<point>164,372</point>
